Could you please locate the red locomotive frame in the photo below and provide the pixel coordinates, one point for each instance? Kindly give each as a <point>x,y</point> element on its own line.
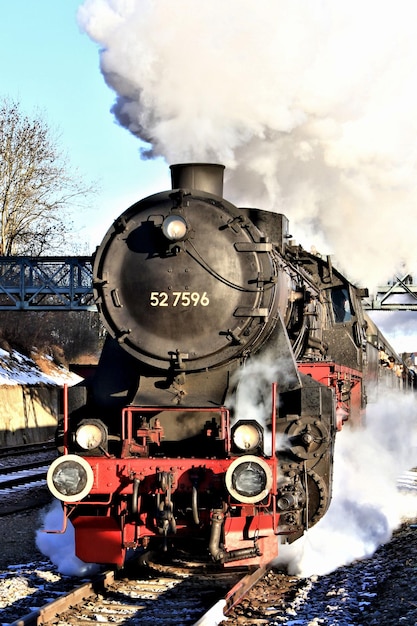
<point>105,538</point>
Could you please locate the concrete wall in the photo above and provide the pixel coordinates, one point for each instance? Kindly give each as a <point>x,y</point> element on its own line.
<point>28,414</point>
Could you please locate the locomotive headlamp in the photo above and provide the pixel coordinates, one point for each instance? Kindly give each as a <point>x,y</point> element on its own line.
<point>91,434</point>
<point>174,227</point>
<point>247,436</point>
<point>249,479</point>
<point>70,478</point>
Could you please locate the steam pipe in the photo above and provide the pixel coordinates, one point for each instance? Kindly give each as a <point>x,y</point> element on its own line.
<point>214,544</point>
<point>223,556</point>
<point>135,495</point>
<point>195,506</point>
<point>242,553</point>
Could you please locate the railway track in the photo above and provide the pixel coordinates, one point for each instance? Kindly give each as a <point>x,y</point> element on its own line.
<point>408,481</point>
<point>26,474</point>
<point>26,449</point>
<point>23,472</point>
<point>173,596</point>
<point>180,595</point>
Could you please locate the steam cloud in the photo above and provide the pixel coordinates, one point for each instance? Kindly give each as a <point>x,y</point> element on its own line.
<point>60,547</point>
<point>366,505</point>
<point>310,105</point>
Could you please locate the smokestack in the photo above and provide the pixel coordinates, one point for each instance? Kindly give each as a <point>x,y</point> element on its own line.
<point>206,177</point>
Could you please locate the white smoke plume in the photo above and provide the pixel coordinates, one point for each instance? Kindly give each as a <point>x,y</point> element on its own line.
<point>60,547</point>
<point>253,397</point>
<point>310,105</point>
<point>367,505</point>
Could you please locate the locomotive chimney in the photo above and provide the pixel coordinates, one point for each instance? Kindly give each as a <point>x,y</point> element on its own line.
<point>206,177</point>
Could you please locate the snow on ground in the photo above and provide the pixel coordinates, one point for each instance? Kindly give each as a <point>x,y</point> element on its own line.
<point>17,369</point>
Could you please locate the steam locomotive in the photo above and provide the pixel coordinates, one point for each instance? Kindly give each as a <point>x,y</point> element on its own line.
<point>232,358</point>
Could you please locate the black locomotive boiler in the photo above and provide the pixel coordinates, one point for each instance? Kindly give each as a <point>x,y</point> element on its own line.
<point>201,300</point>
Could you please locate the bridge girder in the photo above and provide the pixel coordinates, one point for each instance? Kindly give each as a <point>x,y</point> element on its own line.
<point>66,284</point>
<point>401,295</point>
<point>46,283</point>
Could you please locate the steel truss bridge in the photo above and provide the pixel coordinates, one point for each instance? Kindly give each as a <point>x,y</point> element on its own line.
<point>66,284</point>
<point>400,295</point>
<point>46,284</point>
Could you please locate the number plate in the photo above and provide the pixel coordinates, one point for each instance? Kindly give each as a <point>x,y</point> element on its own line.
<point>179,298</point>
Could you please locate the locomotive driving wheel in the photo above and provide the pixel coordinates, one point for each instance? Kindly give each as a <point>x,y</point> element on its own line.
<point>318,497</point>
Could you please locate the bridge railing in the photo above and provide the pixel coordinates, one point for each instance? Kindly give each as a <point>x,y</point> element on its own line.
<point>46,283</point>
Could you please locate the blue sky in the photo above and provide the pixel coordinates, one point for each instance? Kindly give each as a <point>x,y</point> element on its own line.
<point>48,64</point>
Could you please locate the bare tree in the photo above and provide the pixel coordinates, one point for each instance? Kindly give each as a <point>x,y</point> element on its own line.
<point>36,185</point>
